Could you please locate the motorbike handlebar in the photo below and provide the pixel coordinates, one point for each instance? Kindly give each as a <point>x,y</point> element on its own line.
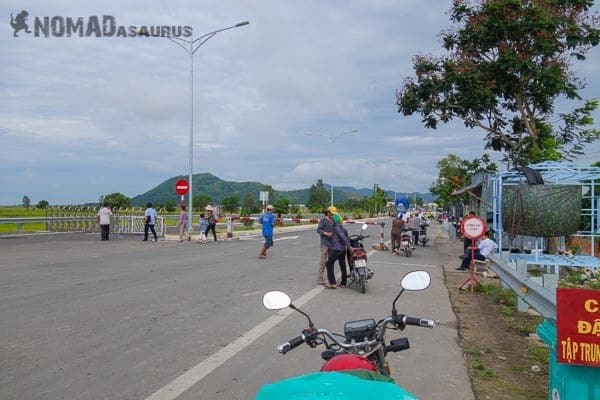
<point>426,323</point>
<point>406,320</point>
<point>291,344</point>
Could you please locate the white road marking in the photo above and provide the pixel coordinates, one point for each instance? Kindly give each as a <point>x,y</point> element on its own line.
<point>182,383</point>
<point>286,238</point>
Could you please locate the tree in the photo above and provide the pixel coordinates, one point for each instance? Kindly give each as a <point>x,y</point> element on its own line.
<point>201,200</point>
<point>116,200</point>
<point>26,202</point>
<point>282,206</point>
<point>509,62</point>
<point>248,205</point>
<point>231,203</point>
<point>454,173</point>
<point>378,200</point>
<point>318,197</point>
<point>42,204</point>
<point>170,205</point>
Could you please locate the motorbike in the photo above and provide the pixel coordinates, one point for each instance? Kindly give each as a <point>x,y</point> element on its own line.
<point>357,261</point>
<point>406,242</point>
<point>423,239</point>
<point>355,363</point>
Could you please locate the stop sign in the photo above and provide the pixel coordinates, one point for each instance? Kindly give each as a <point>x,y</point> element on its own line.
<point>182,187</point>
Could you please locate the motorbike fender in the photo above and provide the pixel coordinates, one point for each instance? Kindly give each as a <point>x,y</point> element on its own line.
<point>361,270</point>
<point>349,385</point>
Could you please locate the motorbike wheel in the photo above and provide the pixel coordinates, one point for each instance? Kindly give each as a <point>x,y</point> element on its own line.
<point>362,283</point>
<point>408,252</point>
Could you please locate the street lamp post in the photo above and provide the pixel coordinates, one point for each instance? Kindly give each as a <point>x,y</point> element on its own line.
<point>191,46</point>
<point>332,137</point>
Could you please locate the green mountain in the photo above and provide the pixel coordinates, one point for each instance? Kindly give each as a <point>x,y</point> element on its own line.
<point>217,189</point>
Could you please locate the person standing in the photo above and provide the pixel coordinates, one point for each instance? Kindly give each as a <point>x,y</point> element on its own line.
<point>398,226</point>
<point>149,222</point>
<point>203,228</point>
<point>104,219</point>
<point>268,221</point>
<point>183,224</point>
<point>325,231</point>
<point>413,224</point>
<point>212,222</point>
<point>337,252</point>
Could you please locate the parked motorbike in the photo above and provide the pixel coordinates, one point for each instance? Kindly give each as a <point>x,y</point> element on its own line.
<point>406,242</point>
<point>357,260</point>
<point>423,239</point>
<point>360,353</point>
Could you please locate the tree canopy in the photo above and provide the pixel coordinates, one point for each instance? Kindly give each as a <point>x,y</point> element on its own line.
<point>509,63</point>
<point>116,200</point>
<point>454,173</point>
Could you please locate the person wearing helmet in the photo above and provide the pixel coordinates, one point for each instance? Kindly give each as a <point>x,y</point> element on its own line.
<point>325,230</point>
<point>337,252</point>
<point>268,222</point>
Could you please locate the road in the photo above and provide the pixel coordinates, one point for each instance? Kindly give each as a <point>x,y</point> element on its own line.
<point>125,319</point>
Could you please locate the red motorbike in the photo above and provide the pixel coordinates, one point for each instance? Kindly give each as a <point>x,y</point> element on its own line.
<point>360,353</point>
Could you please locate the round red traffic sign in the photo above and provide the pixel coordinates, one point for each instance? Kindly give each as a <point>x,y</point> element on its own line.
<point>182,187</point>
<point>472,227</point>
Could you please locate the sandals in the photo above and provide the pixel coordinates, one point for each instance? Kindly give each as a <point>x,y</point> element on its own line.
<point>329,286</point>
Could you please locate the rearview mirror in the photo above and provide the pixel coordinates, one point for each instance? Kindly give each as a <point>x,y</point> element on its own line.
<point>416,280</point>
<point>276,300</point>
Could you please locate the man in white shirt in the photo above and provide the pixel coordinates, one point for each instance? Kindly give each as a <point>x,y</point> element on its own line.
<point>485,247</point>
<point>104,219</point>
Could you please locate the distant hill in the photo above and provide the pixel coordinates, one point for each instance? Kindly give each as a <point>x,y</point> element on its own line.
<point>217,189</point>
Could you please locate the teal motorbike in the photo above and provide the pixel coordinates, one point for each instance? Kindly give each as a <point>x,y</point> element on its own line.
<point>355,365</point>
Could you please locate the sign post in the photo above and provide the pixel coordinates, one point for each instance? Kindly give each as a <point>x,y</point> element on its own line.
<point>472,227</point>
<point>264,199</point>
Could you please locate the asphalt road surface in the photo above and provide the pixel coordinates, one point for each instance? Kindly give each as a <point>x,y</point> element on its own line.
<point>125,319</point>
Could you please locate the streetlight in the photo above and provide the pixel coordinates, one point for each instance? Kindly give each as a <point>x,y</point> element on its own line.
<point>191,46</point>
<point>332,137</point>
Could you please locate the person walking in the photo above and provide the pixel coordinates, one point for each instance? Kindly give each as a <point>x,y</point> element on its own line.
<point>325,231</point>
<point>149,222</point>
<point>212,222</point>
<point>267,220</point>
<point>413,225</point>
<point>337,252</point>
<point>104,215</point>
<point>183,224</point>
<point>203,228</point>
<point>398,226</point>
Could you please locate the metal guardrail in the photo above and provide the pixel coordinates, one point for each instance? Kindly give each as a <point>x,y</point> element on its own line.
<point>537,292</point>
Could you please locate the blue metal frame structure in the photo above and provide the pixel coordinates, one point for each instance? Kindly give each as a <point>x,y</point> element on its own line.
<point>556,174</point>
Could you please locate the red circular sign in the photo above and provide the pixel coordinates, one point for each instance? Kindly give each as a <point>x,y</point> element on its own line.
<point>182,187</point>
<point>472,227</point>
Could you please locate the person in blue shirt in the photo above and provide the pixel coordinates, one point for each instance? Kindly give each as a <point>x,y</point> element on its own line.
<point>268,222</point>
<point>149,221</point>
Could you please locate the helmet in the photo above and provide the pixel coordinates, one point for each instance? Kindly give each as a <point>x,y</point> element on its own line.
<point>337,219</point>
<point>269,207</point>
<point>348,361</point>
<point>332,209</point>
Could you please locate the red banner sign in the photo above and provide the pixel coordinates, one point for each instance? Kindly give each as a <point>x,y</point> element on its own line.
<point>578,326</point>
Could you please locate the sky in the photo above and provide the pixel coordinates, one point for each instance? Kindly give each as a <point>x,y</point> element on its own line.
<point>275,101</point>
